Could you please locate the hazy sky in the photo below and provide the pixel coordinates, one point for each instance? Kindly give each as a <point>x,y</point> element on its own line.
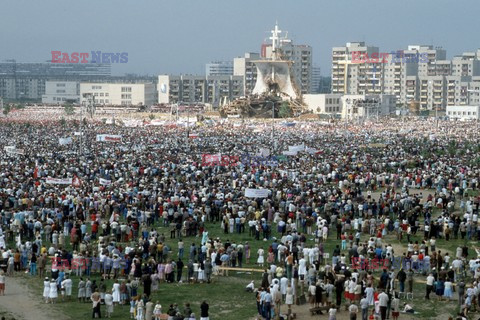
<point>180,36</point>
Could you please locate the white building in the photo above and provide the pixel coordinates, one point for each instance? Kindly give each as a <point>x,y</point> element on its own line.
<point>119,94</point>
<point>61,92</point>
<point>463,112</point>
<point>328,103</point>
<point>367,106</point>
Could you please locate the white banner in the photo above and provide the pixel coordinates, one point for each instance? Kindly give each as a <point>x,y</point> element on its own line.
<point>300,147</point>
<point>65,141</point>
<point>256,193</point>
<point>193,135</point>
<point>289,153</point>
<point>263,152</point>
<point>77,133</point>
<point>12,150</point>
<point>105,182</point>
<point>58,181</point>
<point>109,138</point>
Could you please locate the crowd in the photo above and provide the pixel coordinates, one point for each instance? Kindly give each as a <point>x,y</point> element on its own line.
<point>355,184</point>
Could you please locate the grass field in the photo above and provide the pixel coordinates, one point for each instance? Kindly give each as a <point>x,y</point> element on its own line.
<point>227,297</point>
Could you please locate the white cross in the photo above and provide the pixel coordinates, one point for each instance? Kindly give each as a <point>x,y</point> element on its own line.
<point>275,37</point>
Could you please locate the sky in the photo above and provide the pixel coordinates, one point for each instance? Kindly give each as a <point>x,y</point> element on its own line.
<point>181,36</point>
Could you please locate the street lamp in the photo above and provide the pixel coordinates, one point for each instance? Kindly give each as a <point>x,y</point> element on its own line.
<point>273,123</point>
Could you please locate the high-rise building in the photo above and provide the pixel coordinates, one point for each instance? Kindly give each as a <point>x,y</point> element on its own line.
<point>316,80</point>
<point>214,90</point>
<point>420,73</point>
<point>353,77</point>
<point>219,68</point>
<point>245,68</point>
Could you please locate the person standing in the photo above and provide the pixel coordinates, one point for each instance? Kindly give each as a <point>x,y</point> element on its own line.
<point>395,305</point>
<point>2,283</point>
<point>46,289</point>
<point>383,301</point>
<point>364,306</point>
<point>95,298</point>
<point>401,276</point>
<point>430,280</point>
<point>53,293</point>
<point>116,292</point>
<point>149,310</point>
<point>204,311</point>
<point>353,310</point>
<point>109,304</point>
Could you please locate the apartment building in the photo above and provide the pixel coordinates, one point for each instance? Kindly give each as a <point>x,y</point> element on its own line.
<point>214,90</point>
<point>245,68</point>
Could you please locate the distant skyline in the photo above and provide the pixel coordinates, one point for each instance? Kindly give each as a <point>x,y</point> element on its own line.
<point>181,36</point>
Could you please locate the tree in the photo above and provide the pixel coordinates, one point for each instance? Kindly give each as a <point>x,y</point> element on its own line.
<point>285,110</point>
<point>151,116</point>
<point>6,109</point>
<point>69,109</point>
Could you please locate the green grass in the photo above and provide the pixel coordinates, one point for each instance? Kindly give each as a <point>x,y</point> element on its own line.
<point>226,296</point>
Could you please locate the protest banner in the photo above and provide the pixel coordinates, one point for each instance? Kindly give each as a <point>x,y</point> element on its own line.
<point>58,181</point>
<point>289,153</point>
<point>297,148</point>
<point>256,193</point>
<point>12,151</point>
<point>64,141</point>
<point>105,182</point>
<point>109,138</point>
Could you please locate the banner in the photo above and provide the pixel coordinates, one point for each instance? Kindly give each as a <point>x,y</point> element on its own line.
<point>297,148</point>
<point>58,181</point>
<point>109,138</point>
<point>256,193</point>
<point>12,150</point>
<point>65,141</point>
<point>263,152</point>
<point>289,153</point>
<point>211,159</point>
<point>77,133</point>
<point>193,135</point>
<point>105,182</point>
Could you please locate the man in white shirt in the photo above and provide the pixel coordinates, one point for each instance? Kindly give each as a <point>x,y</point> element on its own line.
<point>383,301</point>
<point>430,280</point>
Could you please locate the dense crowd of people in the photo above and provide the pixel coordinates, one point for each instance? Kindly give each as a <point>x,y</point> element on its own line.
<point>353,183</point>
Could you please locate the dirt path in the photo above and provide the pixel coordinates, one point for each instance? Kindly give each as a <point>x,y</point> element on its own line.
<point>21,302</point>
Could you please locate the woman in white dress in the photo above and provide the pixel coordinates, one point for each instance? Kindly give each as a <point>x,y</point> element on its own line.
<point>260,260</point>
<point>53,293</point>
<point>46,289</point>
<point>289,296</point>
<point>116,292</point>
<point>201,273</point>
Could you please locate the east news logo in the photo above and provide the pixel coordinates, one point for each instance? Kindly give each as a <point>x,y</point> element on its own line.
<point>96,57</point>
